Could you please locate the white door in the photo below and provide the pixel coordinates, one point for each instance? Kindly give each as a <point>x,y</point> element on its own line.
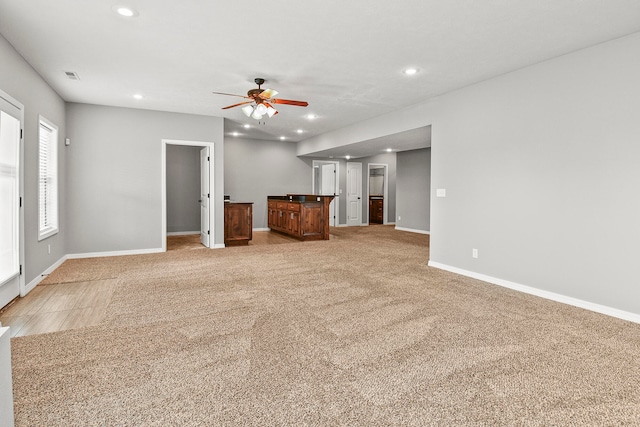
<point>205,195</point>
<point>10,136</point>
<point>354,193</point>
<point>328,188</point>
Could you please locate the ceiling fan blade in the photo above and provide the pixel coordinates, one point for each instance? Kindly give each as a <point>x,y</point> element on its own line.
<point>229,94</point>
<point>268,93</point>
<point>235,105</point>
<point>290,102</point>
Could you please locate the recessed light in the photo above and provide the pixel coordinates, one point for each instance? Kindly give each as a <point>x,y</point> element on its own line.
<point>137,96</point>
<point>410,71</point>
<point>246,126</point>
<point>389,150</point>
<point>347,157</point>
<point>283,138</point>
<point>127,12</point>
<point>300,131</point>
<point>235,133</point>
<point>311,116</point>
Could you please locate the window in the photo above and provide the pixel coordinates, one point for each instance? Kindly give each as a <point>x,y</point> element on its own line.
<point>48,180</point>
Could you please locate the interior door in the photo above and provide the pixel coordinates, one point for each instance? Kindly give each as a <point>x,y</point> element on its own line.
<point>328,188</point>
<point>205,196</point>
<point>10,136</point>
<point>354,193</point>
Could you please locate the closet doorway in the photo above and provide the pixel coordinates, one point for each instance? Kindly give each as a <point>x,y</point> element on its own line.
<point>377,191</point>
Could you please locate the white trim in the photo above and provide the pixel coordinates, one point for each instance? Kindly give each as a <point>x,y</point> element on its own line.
<point>183,233</point>
<point>413,230</point>
<point>163,187</point>
<point>262,229</point>
<point>116,253</point>
<point>218,246</point>
<point>598,308</point>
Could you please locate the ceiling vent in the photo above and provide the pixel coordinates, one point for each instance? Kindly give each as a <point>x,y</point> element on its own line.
<point>72,75</point>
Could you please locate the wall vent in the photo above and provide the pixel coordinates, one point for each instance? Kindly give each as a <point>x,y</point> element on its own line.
<point>72,75</point>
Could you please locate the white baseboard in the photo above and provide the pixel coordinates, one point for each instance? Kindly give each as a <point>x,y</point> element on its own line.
<point>32,284</point>
<point>413,230</point>
<point>598,308</point>
<point>262,229</point>
<point>115,253</point>
<point>182,233</point>
<point>218,246</point>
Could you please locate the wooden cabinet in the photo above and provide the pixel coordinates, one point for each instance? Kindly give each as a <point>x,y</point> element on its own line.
<point>238,223</point>
<point>305,218</point>
<point>376,209</point>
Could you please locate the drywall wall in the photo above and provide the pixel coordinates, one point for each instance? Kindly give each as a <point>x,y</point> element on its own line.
<point>114,174</point>
<point>183,188</point>
<point>413,189</point>
<point>255,169</point>
<point>541,176</point>
<point>21,82</point>
<point>540,172</point>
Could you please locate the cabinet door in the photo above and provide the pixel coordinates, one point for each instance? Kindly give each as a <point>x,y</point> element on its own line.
<point>312,223</point>
<point>273,218</point>
<point>294,223</point>
<point>237,222</point>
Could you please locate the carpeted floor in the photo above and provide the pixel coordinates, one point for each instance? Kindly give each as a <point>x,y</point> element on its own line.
<point>352,331</point>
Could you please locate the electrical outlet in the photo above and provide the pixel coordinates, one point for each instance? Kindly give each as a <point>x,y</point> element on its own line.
<point>49,249</point>
<point>399,217</point>
<point>474,253</point>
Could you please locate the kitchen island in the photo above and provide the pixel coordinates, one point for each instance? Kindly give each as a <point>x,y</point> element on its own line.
<point>303,216</point>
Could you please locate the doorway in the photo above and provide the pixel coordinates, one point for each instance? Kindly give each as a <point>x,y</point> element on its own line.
<point>377,193</point>
<point>325,182</point>
<point>11,190</point>
<point>354,193</point>
<point>203,193</point>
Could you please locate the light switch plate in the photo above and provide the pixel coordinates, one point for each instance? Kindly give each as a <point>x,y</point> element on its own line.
<point>441,192</point>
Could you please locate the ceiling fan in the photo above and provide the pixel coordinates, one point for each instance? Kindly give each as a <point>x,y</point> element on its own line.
<point>262,100</point>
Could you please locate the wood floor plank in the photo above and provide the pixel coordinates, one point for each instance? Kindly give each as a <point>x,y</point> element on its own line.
<point>83,317</point>
<point>43,322</point>
<point>15,323</point>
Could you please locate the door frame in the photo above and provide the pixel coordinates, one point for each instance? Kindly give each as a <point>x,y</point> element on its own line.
<point>361,210</point>
<point>163,186</point>
<point>21,240</point>
<point>336,198</point>
<point>385,190</point>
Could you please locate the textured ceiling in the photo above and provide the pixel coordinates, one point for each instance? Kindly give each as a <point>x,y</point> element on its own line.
<point>344,57</point>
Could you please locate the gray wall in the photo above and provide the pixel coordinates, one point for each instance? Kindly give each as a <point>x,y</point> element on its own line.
<point>540,171</point>
<point>413,183</point>
<point>183,188</point>
<point>256,169</point>
<point>21,82</point>
<point>114,174</point>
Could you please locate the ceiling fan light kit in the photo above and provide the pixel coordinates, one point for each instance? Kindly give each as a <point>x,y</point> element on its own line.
<point>261,101</point>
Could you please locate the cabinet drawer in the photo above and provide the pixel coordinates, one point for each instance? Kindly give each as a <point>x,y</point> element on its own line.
<point>281,205</point>
<point>294,207</point>
<point>271,204</point>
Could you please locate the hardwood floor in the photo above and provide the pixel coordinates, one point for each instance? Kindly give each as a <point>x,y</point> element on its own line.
<point>61,306</point>
<point>57,307</point>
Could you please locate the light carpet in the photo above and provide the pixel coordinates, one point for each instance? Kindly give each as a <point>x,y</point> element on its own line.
<point>355,331</point>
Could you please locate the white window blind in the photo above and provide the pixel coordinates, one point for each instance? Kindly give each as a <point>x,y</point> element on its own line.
<point>48,180</point>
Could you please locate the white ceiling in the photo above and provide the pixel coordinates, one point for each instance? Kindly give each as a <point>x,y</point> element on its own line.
<point>344,57</point>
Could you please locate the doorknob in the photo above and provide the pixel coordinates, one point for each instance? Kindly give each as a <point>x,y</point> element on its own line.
<point>200,201</point>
